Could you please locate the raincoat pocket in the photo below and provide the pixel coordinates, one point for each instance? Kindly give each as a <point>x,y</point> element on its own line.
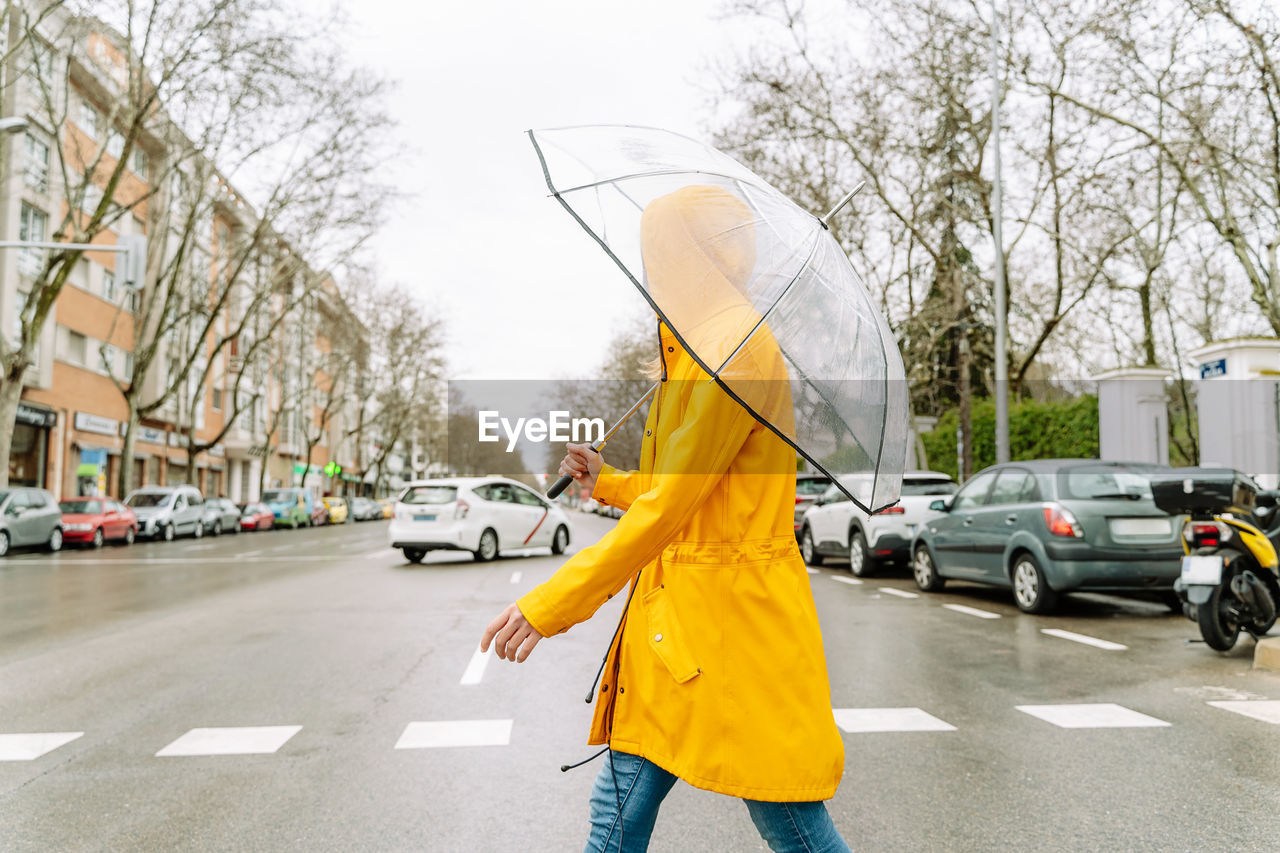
<point>666,636</point>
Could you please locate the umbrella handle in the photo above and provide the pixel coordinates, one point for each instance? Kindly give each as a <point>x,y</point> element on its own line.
<point>560,486</point>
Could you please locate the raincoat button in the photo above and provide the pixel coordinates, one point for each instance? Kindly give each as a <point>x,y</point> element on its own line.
<point>604,688</point>
<point>671,349</point>
<point>657,638</point>
<point>648,432</point>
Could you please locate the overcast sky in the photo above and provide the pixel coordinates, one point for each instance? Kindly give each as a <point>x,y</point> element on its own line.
<point>524,291</point>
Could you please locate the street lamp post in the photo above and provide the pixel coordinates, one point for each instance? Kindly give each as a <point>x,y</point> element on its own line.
<point>1002,319</point>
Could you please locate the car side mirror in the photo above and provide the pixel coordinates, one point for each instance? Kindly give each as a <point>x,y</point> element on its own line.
<point>940,505</point>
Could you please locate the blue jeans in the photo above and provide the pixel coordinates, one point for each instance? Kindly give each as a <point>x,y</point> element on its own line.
<point>640,787</point>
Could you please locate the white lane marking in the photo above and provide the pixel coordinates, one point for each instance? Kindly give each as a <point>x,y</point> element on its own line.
<point>901,593</point>
<point>515,576</point>
<point>972,611</point>
<point>238,740</point>
<point>1267,710</point>
<point>1091,716</point>
<point>1082,638</point>
<point>475,667</point>
<point>842,579</point>
<point>201,548</point>
<point>251,553</point>
<point>858,720</point>
<point>811,570</point>
<point>28,747</point>
<point>382,552</point>
<point>441,733</point>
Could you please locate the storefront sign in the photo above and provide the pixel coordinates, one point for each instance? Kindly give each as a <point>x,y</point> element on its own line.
<point>31,416</point>
<point>86,422</point>
<point>144,433</point>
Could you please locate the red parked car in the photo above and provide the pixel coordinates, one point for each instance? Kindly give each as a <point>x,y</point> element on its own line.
<point>92,521</point>
<point>256,517</point>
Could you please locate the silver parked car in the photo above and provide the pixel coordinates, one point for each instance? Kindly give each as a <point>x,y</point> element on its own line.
<point>165,512</point>
<point>221,516</point>
<point>29,517</point>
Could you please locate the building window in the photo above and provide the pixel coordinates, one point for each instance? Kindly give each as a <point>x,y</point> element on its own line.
<point>31,228</point>
<point>109,286</point>
<point>131,301</point>
<point>91,196</point>
<point>88,119</point>
<point>140,163</point>
<point>115,144</point>
<point>36,168</point>
<point>77,345</point>
<point>128,366</point>
<point>217,399</point>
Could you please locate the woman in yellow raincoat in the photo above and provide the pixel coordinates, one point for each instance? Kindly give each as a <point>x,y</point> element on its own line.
<point>716,674</point>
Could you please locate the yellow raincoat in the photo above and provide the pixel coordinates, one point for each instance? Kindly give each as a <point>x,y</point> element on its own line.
<point>718,673</point>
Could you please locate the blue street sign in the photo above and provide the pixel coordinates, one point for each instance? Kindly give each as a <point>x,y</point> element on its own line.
<point>1210,369</point>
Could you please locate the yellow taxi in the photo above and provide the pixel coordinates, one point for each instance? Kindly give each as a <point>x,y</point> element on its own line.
<point>337,510</point>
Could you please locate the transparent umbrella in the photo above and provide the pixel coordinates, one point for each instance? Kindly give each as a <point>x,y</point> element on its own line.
<point>744,277</point>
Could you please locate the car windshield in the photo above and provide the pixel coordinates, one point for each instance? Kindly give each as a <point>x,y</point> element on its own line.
<point>277,496</point>
<point>928,487</point>
<point>1100,482</point>
<point>86,507</point>
<point>812,487</point>
<point>145,499</point>
<point>429,495</point>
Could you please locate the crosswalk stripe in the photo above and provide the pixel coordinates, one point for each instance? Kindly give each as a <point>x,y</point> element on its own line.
<point>1266,710</point>
<point>515,576</point>
<point>445,733</point>
<point>972,611</point>
<point>860,720</point>
<point>231,740</point>
<point>1091,716</point>
<point>811,570</point>
<point>28,747</point>
<point>900,593</point>
<point>1082,638</point>
<point>475,667</point>
<point>843,579</point>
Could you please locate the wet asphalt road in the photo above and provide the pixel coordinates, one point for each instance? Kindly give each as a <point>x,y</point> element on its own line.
<point>330,631</point>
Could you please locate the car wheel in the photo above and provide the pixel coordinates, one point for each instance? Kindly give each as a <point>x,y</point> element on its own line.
<point>130,535</point>
<point>166,533</point>
<point>414,555</point>
<point>198,533</point>
<point>808,550</point>
<point>861,563</point>
<point>1031,591</point>
<point>55,539</point>
<point>925,571</point>
<point>4,543</point>
<point>560,541</point>
<point>98,538</point>
<point>488,548</point>
<point>217,527</point>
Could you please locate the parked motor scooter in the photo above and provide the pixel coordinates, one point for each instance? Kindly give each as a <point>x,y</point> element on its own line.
<point>1230,578</point>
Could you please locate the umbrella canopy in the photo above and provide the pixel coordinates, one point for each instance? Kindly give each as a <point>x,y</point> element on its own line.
<point>740,273</point>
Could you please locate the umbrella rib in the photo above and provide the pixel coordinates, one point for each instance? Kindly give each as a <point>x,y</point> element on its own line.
<point>654,174</point>
<point>775,304</point>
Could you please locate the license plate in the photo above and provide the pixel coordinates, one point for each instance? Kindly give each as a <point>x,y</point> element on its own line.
<point>1202,570</point>
<point>424,518</point>
<point>1140,526</point>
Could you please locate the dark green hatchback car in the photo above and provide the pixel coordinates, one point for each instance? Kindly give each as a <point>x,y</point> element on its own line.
<point>1051,526</point>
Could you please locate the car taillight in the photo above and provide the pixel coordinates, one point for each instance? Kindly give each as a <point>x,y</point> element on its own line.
<point>1061,522</point>
<point>891,510</point>
<point>1206,533</point>
<point>799,499</point>
<point>462,509</point>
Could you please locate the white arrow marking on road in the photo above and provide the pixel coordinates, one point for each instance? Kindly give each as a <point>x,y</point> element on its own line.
<point>28,747</point>
<point>1267,710</point>
<point>1081,638</point>
<point>901,593</point>
<point>515,577</point>
<point>851,581</point>
<point>1091,716</point>
<point>972,611</point>
<point>475,667</point>
<point>242,740</point>
<point>455,733</point>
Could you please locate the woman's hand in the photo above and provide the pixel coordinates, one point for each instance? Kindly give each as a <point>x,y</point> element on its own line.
<point>582,464</point>
<point>512,634</point>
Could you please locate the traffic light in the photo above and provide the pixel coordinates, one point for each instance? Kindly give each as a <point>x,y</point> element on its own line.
<point>133,267</point>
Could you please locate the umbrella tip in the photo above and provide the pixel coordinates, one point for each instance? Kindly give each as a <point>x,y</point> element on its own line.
<point>826,220</point>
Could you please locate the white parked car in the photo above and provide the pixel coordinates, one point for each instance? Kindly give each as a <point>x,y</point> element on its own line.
<point>483,515</point>
<point>835,527</point>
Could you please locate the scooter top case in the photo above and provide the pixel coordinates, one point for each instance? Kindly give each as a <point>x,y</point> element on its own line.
<point>1203,492</point>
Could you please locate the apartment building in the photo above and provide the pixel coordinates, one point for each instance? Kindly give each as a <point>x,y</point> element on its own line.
<point>69,434</point>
